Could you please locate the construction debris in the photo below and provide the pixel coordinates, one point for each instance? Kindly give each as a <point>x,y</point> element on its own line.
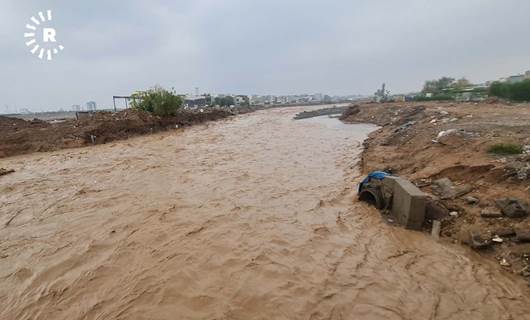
<point>513,208</point>
<point>447,190</point>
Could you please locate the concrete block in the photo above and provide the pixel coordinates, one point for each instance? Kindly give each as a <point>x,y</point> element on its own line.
<point>408,202</point>
<point>82,115</point>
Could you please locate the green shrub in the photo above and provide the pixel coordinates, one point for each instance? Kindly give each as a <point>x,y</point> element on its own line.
<point>506,148</point>
<point>158,101</point>
<point>519,91</point>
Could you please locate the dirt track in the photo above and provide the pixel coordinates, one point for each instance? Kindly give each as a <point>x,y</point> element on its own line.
<point>245,218</point>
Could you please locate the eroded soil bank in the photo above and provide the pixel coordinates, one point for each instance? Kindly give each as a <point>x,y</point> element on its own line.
<point>432,142</point>
<point>19,136</point>
<point>250,217</point>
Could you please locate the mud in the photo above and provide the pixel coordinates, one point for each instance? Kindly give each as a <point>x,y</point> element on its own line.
<point>249,217</point>
<point>19,136</point>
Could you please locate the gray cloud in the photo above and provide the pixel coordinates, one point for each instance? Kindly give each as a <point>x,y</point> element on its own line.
<point>244,46</point>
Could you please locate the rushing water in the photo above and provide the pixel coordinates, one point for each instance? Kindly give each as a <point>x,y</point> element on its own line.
<point>252,217</point>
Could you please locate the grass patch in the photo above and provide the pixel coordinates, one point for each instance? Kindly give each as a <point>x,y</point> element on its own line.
<point>506,148</point>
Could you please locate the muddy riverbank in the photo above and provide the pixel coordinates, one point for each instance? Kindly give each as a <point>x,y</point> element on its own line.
<point>250,217</point>
<point>444,148</point>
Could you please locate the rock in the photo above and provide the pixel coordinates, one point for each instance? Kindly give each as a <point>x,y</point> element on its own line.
<point>462,190</point>
<point>519,169</point>
<point>522,235</point>
<point>435,211</point>
<point>453,214</point>
<point>505,232</point>
<point>452,140</point>
<point>497,239</point>
<point>490,213</point>
<point>513,208</point>
<point>477,241</point>
<point>446,190</point>
<point>471,200</point>
<point>436,227</point>
<point>404,126</point>
<point>453,137</point>
<point>504,263</point>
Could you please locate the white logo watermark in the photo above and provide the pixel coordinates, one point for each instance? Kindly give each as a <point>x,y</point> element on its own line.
<point>41,37</point>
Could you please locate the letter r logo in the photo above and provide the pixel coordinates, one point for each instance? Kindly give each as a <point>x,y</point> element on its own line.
<point>48,34</point>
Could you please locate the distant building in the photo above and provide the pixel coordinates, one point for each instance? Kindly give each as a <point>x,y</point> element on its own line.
<point>515,79</point>
<point>192,102</point>
<point>527,74</point>
<point>91,106</point>
<point>241,100</point>
<point>76,107</point>
<point>399,98</point>
<point>317,97</point>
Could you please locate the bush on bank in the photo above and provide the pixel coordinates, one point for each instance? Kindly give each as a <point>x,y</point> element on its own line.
<point>506,148</point>
<point>158,101</point>
<point>516,91</point>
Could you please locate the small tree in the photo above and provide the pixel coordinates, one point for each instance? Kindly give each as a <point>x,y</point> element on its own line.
<point>462,83</point>
<point>435,86</point>
<point>499,89</point>
<point>158,101</point>
<point>519,91</point>
<point>225,101</point>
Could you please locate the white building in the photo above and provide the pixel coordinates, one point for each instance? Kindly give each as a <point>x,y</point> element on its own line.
<point>515,79</point>
<point>91,106</point>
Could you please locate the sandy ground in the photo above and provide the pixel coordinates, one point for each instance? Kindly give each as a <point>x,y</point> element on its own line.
<point>250,217</point>
<point>409,151</point>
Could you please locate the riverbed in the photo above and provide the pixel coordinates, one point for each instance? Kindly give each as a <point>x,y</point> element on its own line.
<point>252,217</point>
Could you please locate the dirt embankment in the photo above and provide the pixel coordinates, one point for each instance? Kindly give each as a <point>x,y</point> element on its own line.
<point>19,136</point>
<point>481,198</point>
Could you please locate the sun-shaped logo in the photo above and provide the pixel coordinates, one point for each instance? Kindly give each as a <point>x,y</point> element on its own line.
<point>41,37</point>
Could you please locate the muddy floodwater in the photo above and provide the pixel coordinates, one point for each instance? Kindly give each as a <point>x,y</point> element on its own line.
<point>251,217</point>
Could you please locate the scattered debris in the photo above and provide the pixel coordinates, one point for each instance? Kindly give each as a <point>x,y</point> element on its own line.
<point>513,208</point>
<point>519,169</point>
<point>497,239</point>
<point>477,241</point>
<point>434,210</point>
<point>436,228</point>
<point>453,137</point>
<point>404,126</point>
<point>446,190</point>
<point>491,213</point>
<point>522,235</point>
<point>405,201</point>
<point>504,263</point>
<point>471,200</point>
<point>505,232</point>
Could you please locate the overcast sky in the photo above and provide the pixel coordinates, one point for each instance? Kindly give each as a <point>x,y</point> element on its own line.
<point>257,47</point>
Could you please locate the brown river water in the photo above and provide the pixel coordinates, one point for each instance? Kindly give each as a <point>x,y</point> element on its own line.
<point>251,217</point>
